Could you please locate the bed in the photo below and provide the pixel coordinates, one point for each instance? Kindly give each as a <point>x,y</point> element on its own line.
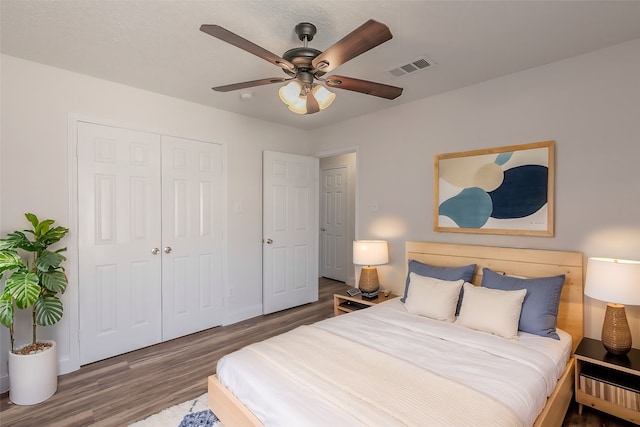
<point>282,381</point>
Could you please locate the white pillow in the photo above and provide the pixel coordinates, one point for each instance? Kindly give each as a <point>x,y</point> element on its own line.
<point>431,297</point>
<point>491,310</point>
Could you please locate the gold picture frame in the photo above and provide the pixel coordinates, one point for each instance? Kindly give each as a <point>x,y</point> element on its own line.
<point>504,190</point>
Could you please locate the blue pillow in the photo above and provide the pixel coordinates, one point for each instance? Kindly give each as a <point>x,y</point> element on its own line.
<point>540,307</point>
<point>443,273</point>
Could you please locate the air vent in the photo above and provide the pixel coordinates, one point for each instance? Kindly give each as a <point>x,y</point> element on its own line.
<point>417,64</point>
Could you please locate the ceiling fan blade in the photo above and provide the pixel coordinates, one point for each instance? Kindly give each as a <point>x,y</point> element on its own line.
<point>364,86</point>
<point>244,44</point>
<point>367,36</point>
<point>252,83</point>
<point>312,104</point>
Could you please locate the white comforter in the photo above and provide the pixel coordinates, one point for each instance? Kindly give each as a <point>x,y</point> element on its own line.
<point>519,374</point>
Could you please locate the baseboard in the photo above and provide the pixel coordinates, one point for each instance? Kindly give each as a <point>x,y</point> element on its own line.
<point>244,314</point>
<point>67,365</point>
<point>4,383</point>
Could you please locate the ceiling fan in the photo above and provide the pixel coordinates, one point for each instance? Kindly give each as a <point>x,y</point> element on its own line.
<point>305,65</point>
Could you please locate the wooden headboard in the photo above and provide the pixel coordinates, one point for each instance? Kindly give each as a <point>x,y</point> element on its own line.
<point>521,262</point>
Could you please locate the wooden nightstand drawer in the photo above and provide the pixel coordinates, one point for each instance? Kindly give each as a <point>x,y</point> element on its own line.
<point>606,382</point>
<point>345,303</point>
<point>619,388</point>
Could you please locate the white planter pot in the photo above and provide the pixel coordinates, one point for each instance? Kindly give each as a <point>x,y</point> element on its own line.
<point>33,378</point>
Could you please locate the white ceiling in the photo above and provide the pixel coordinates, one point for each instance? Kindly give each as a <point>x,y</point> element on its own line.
<point>156,44</point>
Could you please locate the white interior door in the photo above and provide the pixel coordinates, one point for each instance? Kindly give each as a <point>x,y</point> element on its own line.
<point>119,227</point>
<point>333,223</point>
<point>192,240</point>
<point>290,230</point>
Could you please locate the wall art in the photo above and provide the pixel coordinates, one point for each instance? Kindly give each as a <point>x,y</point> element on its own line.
<point>505,190</point>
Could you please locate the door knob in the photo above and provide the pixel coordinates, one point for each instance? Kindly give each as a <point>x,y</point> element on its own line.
<point>167,250</point>
<point>268,241</point>
<point>322,229</point>
<point>155,251</point>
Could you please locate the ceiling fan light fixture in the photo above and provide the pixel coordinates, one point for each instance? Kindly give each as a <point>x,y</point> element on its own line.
<point>290,93</point>
<point>303,65</point>
<point>300,107</point>
<point>323,96</point>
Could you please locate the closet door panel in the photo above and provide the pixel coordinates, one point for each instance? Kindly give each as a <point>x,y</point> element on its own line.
<point>119,225</point>
<point>192,236</point>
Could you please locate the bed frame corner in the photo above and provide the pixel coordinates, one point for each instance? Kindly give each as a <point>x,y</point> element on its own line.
<point>227,407</point>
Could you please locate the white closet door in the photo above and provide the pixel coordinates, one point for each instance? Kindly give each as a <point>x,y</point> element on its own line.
<point>192,239</point>
<point>290,230</point>
<point>119,226</point>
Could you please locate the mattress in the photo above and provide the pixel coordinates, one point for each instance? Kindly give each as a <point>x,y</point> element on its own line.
<point>519,374</point>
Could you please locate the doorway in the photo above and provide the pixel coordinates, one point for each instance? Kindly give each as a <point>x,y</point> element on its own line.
<point>337,216</point>
<point>289,224</point>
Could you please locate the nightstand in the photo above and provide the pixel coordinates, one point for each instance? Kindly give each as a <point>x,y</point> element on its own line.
<point>343,303</point>
<point>606,382</point>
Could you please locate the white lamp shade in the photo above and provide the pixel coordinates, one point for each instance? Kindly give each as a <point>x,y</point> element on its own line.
<point>370,252</point>
<point>613,280</point>
<point>323,96</point>
<point>290,93</point>
<point>300,107</point>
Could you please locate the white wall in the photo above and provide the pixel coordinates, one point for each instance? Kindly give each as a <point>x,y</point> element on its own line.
<point>590,105</point>
<point>36,103</point>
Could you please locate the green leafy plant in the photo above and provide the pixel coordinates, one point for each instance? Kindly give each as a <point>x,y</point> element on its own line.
<point>37,281</point>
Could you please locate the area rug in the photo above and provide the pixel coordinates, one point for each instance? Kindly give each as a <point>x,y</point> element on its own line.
<point>192,413</point>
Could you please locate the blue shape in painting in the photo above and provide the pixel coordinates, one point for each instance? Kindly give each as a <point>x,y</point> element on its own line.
<point>503,158</point>
<point>522,193</point>
<point>470,208</point>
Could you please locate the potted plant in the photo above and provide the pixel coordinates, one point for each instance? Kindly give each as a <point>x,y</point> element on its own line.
<point>33,282</point>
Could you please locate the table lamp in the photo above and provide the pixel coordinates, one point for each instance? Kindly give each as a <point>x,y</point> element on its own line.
<point>617,282</point>
<point>369,253</point>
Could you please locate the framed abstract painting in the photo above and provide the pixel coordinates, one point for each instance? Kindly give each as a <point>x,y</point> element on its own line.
<point>504,190</point>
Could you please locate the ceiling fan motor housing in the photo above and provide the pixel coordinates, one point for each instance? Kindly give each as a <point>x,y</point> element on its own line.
<point>302,56</point>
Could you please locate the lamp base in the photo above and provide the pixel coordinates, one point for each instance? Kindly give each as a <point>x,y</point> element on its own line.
<point>616,335</point>
<point>369,283</point>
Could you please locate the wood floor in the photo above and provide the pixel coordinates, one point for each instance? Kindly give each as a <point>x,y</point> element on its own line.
<point>130,387</point>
